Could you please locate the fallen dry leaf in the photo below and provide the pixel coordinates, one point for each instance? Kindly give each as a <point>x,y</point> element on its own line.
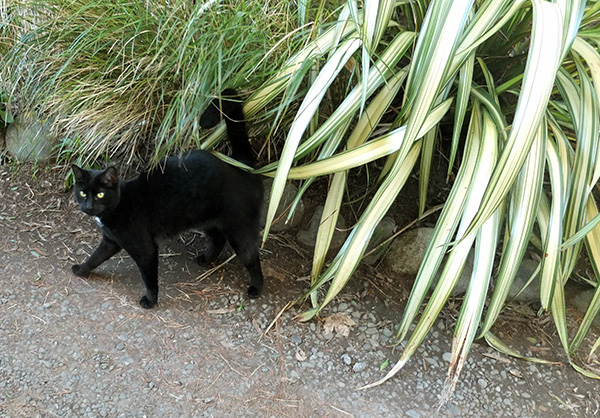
<point>516,373</point>
<point>339,323</point>
<point>300,355</point>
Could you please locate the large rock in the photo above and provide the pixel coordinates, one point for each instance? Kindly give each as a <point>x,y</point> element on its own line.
<point>532,291</point>
<point>383,231</point>
<point>463,281</point>
<point>406,254</point>
<point>28,139</point>
<point>582,301</point>
<point>407,251</point>
<point>308,237</point>
<point>280,223</point>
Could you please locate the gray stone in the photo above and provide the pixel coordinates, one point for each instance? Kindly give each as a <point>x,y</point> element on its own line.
<point>465,277</point>
<point>453,409</point>
<point>406,254</point>
<point>383,231</point>
<point>280,222</point>
<point>407,251</point>
<point>308,237</point>
<point>582,300</point>
<point>346,358</point>
<point>532,291</point>
<point>342,307</point>
<point>412,413</point>
<point>359,367</point>
<point>28,139</point>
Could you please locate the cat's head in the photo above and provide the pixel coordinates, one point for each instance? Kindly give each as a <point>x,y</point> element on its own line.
<point>96,191</point>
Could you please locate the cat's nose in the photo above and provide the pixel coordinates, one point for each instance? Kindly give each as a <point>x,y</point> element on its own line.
<point>86,208</point>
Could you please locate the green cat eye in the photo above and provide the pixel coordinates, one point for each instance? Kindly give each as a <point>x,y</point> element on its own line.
<point>82,194</point>
<point>100,195</point>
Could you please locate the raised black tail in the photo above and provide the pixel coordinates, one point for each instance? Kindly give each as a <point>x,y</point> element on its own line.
<point>229,107</point>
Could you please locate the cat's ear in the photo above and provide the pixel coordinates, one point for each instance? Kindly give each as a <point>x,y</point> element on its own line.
<point>79,173</point>
<point>110,178</point>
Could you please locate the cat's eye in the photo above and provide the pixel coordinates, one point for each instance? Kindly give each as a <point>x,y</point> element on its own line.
<point>82,193</point>
<point>100,195</point>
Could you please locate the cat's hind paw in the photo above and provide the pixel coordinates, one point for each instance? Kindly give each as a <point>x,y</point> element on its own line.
<point>203,260</point>
<point>80,270</point>
<point>209,255</point>
<point>146,303</point>
<point>254,292</point>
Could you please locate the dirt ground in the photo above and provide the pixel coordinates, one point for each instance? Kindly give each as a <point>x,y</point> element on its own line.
<point>83,347</point>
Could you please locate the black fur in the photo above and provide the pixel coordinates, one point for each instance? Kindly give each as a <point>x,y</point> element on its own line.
<point>197,190</point>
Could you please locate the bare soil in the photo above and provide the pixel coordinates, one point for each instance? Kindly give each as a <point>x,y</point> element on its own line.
<point>84,347</point>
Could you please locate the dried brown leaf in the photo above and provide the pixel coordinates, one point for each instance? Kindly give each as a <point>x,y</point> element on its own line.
<point>339,323</point>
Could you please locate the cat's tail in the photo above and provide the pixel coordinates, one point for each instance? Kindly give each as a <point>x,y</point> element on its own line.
<point>229,107</point>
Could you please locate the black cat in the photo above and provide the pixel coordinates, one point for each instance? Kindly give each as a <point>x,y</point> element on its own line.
<point>196,190</point>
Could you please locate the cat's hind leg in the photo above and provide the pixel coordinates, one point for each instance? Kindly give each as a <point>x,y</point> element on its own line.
<point>245,242</point>
<point>216,242</point>
<point>103,252</point>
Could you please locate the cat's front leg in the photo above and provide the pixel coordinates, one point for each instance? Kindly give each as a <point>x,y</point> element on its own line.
<point>103,252</point>
<point>145,255</point>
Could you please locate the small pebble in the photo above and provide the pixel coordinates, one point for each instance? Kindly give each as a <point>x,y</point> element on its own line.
<point>359,367</point>
<point>346,359</point>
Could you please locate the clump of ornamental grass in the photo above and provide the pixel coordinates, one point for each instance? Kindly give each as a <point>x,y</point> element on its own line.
<point>120,76</point>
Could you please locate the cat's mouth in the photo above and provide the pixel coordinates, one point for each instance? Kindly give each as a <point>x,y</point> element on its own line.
<point>90,211</point>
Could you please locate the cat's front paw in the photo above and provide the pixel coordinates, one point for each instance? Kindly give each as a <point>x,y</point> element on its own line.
<point>80,270</point>
<point>146,303</point>
<point>254,292</point>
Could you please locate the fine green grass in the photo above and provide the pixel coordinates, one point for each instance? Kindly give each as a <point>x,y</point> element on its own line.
<point>118,77</point>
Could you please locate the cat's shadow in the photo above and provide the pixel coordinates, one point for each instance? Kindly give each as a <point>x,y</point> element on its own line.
<point>181,277</point>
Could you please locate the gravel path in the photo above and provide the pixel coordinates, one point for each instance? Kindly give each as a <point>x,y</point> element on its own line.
<point>84,348</point>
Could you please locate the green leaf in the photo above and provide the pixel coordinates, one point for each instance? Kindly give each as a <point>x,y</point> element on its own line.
<point>350,254</point>
<point>486,143</point>
<point>446,224</point>
<point>540,71</point>
<point>309,106</point>
<point>523,210</point>
<point>498,345</point>
<point>6,116</point>
<point>464,89</point>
